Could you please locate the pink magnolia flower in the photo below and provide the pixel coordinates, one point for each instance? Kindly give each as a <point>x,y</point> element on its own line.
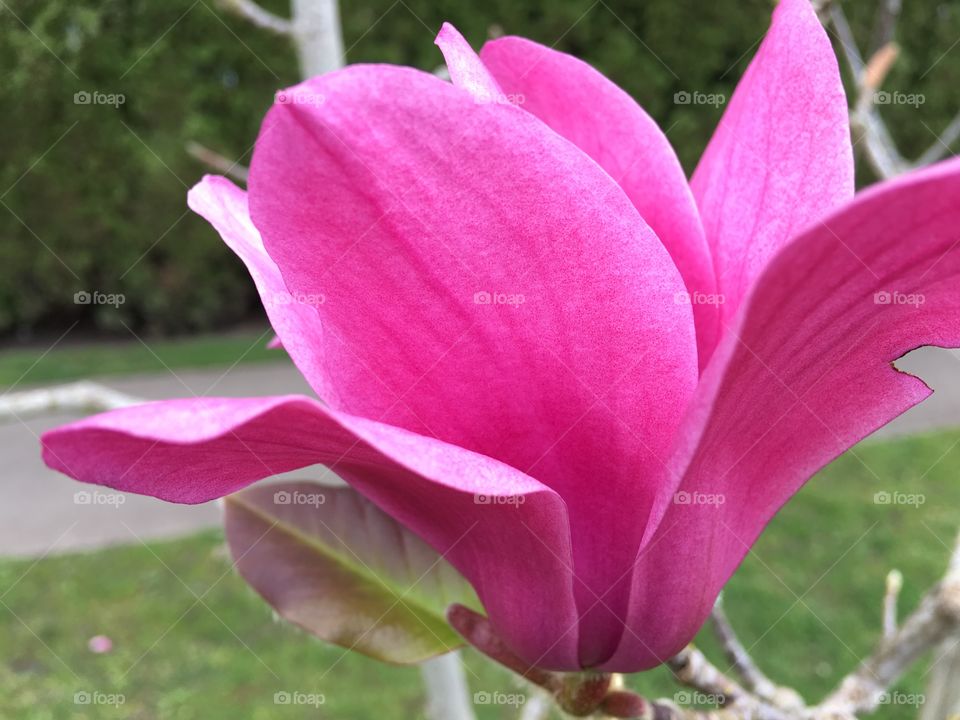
<point>587,383</point>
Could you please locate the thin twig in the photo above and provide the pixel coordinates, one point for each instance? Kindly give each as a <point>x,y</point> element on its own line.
<point>941,698</point>
<point>894,584</point>
<point>866,123</point>
<point>218,162</point>
<point>849,46</point>
<point>737,655</point>
<point>937,616</point>
<point>885,27</point>
<point>691,667</point>
<point>249,10</point>
<point>941,146</point>
<point>754,680</point>
<point>83,395</point>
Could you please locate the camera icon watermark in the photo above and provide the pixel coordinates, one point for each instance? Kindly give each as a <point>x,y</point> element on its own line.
<point>894,297</point>
<point>285,97</point>
<point>483,697</point>
<point>484,97</point>
<point>487,499</point>
<point>95,297</point>
<point>281,299</point>
<point>884,97</point>
<point>683,497</point>
<point>683,297</point>
<point>895,697</point>
<point>695,697</point>
<point>296,497</point>
<point>85,497</point>
<point>899,498</point>
<point>294,697</point>
<point>484,297</point>
<point>685,97</point>
<point>95,97</point>
<point>95,697</point>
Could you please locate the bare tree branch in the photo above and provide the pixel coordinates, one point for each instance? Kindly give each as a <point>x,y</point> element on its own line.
<point>319,39</point>
<point>218,162</point>
<point>691,667</point>
<point>845,35</point>
<point>739,658</point>
<point>737,655</point>
<point>885,26</point>
<point>448,697</point>
<point>942,695</point>
<point>867,126</point>
<point>249,10</point>
<point>84,396</point>
<point>941,146</point>
<point>937,616</point>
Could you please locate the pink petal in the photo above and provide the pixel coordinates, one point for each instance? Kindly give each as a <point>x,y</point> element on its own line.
<point>292,316</point>
<point>804,375</point>
<point>466,70</point>
<point>275,343</point>
<point>488,284</point>
<point>100,644</point>
<point>781,157</point>
<point>195,450</point>
<point>597,116</point>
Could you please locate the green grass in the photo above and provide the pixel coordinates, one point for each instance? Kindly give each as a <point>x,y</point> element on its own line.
<point>807,602</point>
<point>38,365</point>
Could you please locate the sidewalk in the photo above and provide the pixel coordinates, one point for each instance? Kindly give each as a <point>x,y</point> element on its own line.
<point>41,512</point>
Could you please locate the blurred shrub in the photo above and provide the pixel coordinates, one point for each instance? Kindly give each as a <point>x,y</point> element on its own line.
<point>94,194</point>
<point>103,209</point>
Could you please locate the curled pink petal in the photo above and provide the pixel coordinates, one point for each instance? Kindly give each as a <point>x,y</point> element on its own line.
<point>806,373</point>
<point>781,157</point>
<point>470,508</point>
<point>293,316</point>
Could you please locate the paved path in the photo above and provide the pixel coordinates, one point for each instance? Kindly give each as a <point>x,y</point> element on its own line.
<point>41,512</point>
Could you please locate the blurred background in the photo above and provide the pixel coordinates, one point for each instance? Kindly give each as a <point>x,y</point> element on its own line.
<point>105,274</point>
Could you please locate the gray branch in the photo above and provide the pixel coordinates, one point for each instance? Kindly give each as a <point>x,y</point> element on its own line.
<point>739,659</point>
<point>865,121</point>
<point>82,396</point>
<point>941,147</point>
<point>216,161</point>
<point>253,13</point>
<point>937,617</point>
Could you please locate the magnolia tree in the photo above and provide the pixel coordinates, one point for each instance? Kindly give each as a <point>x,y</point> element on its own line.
<point>567,388</point>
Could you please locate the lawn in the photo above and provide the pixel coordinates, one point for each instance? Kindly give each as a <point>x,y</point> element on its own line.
<point>807,601</point>
<point>63,361</point>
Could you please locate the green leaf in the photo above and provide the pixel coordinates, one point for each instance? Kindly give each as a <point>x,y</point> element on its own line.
<point>330,561</point>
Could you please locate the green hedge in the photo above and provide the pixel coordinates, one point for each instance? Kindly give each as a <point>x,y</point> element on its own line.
<point>103,209</point>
